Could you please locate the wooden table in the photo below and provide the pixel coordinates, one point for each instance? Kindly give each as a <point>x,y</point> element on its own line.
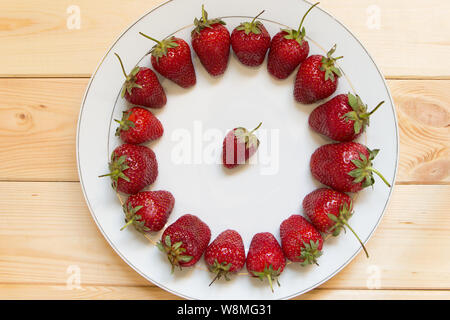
<point>47,235</point>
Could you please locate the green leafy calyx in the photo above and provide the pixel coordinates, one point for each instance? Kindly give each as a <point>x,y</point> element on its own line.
<point>116,168</point>
<point>328,65</point>
<point>364,170</point>
<point>130,81</point>
<point>161,47</point>
<point>131,217</point>
<point>270,274</point>
<point>175,252</point>
<point>220,269</point>
<point>247,137</point>
<point>360,116</point>
<point>125,124</point>
<point>251,27</point>
<point>310,252</point>
<point>204,22</point>
<point>300,33</point>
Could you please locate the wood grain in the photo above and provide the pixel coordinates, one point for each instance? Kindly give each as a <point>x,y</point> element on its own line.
<point>45,227</point>
<point>407,38</point>
<point>26,291</point>
<point>42,114</point>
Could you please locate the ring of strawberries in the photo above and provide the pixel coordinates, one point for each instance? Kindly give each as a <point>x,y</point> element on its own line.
<point>343,166</point>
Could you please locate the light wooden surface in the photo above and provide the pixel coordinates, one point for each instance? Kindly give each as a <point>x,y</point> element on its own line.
<point>45,226</point>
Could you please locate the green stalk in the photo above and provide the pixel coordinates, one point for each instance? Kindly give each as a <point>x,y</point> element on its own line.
<point>148,37</point>
<point>253,21</point>
<point>375,109</point>
<point>121,64</point>
<point>380,175</point>
<point>304,16</point>
<point>128,223</point>
<point>353,231</point>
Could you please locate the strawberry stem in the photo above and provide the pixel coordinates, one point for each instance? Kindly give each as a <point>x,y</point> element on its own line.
<point>128,223</point>
<point>304,16</point>
<point>203,13</point>
<point>375,109</point>
<point>218,275</point>
<point>269,276</point>
<point>353,231</point>
<point>259,125</point>
<point>380,175</point>
<point>121,64</point>
<point>253,21</point>
<point>148,37</point>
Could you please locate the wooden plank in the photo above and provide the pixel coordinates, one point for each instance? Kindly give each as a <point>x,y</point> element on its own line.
<point>45,228</point>
<point>408,38</point>
<point>41,115</point>
<point>27,291</point>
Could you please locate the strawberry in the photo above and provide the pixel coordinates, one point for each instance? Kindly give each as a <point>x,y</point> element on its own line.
<point>345,166</point>
<point>250,42</point>
<point>317,78</point>
<point>226,254</point>
<point>142,87</point>
<point>343,118</point>
<point>211,42</point>
<point>148,210</point>
<point>132,168</point>
<point>185,240</point>
<point>265,258</point>
<point>329,211</point>
<point>287,50</point>
<point>138,125</point>
<point>301,242</point>
<point>238,146</point>
<point>172,59</point>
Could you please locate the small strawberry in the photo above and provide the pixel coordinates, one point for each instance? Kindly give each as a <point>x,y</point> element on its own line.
<point>148,210</point>
<point>142,87</point>
<point>185,240</point>
<point>317,78</point>
<point>329,211</point>
<point>172,59</point>
<point>301,242</point>
<point>211,42</point>
<point>238,146</point>
<point>265,258</point>
<point>343,118</point>
<point>250,42</point>
<point>226,254</point>
<point>345,166</point>
<point>288,49</point>
<point>132,168</point>
<point>138,125</point>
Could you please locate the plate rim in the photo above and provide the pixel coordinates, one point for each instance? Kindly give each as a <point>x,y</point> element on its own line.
<point>331,275</point>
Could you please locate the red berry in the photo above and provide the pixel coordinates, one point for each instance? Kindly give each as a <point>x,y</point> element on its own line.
<point>226,254</point>
<point>138,125</point>
<point>250,42</point>
<point>317,78</point>
<point>265,258</point>
<point>132,168</point>
<point>301,242</point>
<point>185,240</point>
<point>142,87</point>
<point>148,210</point>
<point>211,43</point>
<point>172,59</point>
<point>343,118</point>
<point>329,211</point>
<point>288,49</point>
<point>238,146</point>
<point>345,166</point>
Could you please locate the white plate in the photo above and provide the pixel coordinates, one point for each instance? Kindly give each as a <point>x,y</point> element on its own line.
<point>256,197</point>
